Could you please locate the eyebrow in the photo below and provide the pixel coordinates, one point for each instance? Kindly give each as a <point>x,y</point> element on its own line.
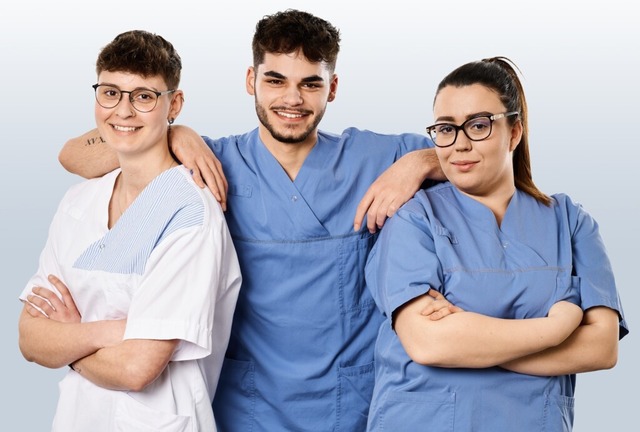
<point>277,75</point>
<point>470,116</point>
<point>118,87</point>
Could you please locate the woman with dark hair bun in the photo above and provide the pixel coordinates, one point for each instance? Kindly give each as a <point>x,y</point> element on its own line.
<point>495,294</point>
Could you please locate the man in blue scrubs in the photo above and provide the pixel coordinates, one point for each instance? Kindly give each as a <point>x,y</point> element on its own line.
<point>300,355</point>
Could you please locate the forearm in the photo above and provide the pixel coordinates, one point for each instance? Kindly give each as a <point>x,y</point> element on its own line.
<point>130,366</point>
<point>428,165</point>
<point>472,340</point>
<point>88,155</point>
<point>592,346</point>
<point>55,344</point>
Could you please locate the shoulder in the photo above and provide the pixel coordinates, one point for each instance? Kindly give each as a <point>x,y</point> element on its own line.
<point>189,203</point>
<point>363,137</point>
<point>424,203</point>
<point>572,213</point>
<point>223,143</point>
<point>84,196</point>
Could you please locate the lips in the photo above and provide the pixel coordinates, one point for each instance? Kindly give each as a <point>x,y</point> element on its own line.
<point>464,165</point>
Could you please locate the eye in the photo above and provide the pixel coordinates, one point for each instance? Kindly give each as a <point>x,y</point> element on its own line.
<point>143,96</point>
<point>478,125</point>
<point>110,92</point>
<point>311,86</point>
<point>445,129</point>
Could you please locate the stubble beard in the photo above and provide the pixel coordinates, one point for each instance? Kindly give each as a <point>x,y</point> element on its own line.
<point>287,139</point>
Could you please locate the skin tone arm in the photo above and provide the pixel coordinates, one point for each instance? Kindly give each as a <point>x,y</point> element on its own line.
<point>53,336</point>
<point>89,156</point>
<point>592,346</point>
<point>132,365</point>
<point>480,341</point>
<point>396,186</point>
<point>56,339</point>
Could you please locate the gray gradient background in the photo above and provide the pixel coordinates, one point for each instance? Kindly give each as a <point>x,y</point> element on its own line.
<point>580,63</point>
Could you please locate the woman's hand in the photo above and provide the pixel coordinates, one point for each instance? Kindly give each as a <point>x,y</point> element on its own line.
<point>440,307</point>
<point>42,302</point>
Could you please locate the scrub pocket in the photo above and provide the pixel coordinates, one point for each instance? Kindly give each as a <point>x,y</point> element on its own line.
<point>355,387</point>
<point>416,411</point>
<point>235,411</point>
<point>558,416</point>
<point>131,415</point>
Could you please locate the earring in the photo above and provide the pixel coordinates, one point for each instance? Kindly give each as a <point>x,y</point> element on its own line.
<point>171,120</point>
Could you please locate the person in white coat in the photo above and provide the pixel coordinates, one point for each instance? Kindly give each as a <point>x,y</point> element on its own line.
<point>146,275</point>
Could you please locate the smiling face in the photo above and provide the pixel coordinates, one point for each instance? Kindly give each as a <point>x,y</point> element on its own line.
<point>127,130</point>
<point>477,168</point>
<point>291,95</point>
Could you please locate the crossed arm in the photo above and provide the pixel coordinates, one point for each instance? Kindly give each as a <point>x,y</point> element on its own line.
<point>88,156</point>
<point>435,333</point>
<point>52,335</point>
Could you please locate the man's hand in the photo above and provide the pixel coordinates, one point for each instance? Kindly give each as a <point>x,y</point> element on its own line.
<point>393,188</point>
<point>194,154</point>
<point>45,303</point>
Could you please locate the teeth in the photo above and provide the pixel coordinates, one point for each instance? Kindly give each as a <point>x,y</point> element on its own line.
<point>124,129</point>
<point>289,115</point>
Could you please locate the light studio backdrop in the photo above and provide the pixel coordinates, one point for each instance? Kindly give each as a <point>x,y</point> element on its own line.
<point>580,63</point>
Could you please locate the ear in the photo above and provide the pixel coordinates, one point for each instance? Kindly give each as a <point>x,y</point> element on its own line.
<point>333,88</point>
<point>516,135</point>
<point>177,100</point>
<point>251,81</point>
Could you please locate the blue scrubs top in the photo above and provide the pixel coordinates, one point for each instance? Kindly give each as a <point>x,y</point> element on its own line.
<point>446,240</point>
<point>300,355</point>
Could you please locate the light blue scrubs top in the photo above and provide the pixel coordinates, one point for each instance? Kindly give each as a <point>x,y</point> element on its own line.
<point>445,240</point>
<point>300,356</point>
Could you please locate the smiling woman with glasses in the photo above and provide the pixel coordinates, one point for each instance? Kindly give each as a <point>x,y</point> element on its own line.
<point>147,275</point>
<point>526,296</point>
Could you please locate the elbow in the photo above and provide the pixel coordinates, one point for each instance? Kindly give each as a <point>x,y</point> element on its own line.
<point>26,354</point>
<point>66,161</point>
<point>136,377</point>
<point>608,360</point>
<point>32,357</point>
<point>425,354</point>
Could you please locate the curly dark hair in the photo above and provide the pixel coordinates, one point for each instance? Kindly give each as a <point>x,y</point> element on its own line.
<point>288,31</point>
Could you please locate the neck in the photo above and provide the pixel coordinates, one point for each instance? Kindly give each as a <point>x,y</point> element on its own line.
<point>133,178</point>
<point>497,201</point>
<point>290,156</point>
<point>136,174</point>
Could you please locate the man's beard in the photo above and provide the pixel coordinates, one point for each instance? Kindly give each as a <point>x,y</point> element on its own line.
<point>287,139</point>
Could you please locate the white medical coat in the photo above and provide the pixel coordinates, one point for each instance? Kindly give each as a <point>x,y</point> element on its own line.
<point>170,268</point>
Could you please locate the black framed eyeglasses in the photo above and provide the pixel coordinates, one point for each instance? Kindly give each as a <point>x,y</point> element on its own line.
<point>476,129</point>
<point>142,99</point>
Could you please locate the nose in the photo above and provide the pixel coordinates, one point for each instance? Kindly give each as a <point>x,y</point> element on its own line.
<point>292,96</point>
<point>462,143</point>
<point>125,108</point>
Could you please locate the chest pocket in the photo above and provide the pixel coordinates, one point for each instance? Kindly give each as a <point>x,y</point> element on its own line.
<point>352,255</point>
<point>500,277</point>
<point>240,190</point>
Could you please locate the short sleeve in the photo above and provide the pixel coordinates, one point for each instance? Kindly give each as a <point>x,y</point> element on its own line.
<point>176,298</point>
<point>591,264</point>
<point>403,264</point>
